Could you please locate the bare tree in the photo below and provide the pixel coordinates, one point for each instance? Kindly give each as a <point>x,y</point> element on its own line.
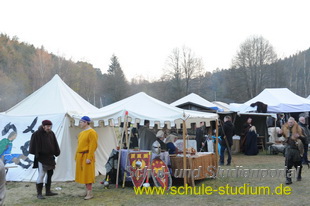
<point>191,65</point>
<point>183,66</point>
<point>253,55</point>
<point>174,73</point>
<point>42,66</point>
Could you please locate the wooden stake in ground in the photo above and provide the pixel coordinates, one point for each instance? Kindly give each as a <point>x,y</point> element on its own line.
<point>216,143</point>
<point>120,149</point>
<point>184,152</point>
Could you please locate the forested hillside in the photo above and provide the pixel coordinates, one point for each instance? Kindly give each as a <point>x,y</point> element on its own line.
<point>24,69</point>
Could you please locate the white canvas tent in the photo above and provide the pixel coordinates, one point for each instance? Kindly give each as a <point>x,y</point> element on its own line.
<point>142,107</point>
<point>222,105</point>
<point>55,101</point>
<point>195,99</point>
<point>243,108</point>
<point>278,100</point>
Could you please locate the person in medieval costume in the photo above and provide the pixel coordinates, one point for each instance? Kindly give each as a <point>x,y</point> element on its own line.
<point>245,129</point>
<point>170,140</point>
<point>44,147</point>
<point>226,132</point>
<point>85,156</point>
<point>134,139</point>
<point>251,142</point>
<point>160,139</point>
<point>305,140</point>
<point>6,145</point>
<point>202,144</point>
<point>146,136</point>
<point>294,148</point>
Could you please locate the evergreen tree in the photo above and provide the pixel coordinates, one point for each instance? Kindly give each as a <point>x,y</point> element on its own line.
<point>116,85</point>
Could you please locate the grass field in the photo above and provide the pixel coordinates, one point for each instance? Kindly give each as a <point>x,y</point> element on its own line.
<point>19,193</point>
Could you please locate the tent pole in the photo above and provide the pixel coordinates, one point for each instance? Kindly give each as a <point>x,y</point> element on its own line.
<point>127,144</point>
<point>275,129</point>
<point>184,153</point>
<point>216,143</point>
<point>120,149</point>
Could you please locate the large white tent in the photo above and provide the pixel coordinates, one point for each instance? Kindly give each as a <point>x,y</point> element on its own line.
<point>222,106</point>
<point>55,101</point>
<point>195,99</point>
<point>142,107</point>
<point>278,100</point>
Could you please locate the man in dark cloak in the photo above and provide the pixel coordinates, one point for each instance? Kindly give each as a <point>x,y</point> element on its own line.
<point>226,132</point>
<point>202,144</point>
<point>44,146</point>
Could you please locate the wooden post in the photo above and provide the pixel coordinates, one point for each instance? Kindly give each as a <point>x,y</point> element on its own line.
<point>120,149</point>
<point>216,143</point>
<point>184,152</point>
<point>275,129</point>
<point>127,144</point>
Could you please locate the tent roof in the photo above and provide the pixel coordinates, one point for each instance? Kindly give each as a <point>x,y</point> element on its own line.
<point>142,107</point>
<point>52,98</point>
<point>281,100</point>
<point>195,99</point>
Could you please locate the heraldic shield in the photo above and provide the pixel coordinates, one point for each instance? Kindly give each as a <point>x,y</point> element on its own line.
<point>160,174</point>
<point>139,163</point>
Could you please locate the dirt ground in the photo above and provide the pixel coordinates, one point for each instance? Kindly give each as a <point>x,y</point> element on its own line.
<point>21,193</point>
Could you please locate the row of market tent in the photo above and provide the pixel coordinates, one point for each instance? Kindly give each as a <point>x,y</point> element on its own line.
<point>57,102</point>
<point>64,107</point>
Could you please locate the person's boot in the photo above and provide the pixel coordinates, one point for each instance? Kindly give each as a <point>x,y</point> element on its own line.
<point>299,174</point>
<point>288,181</point>
<point>89,195</point>
<point>39,191</point>
<point>48,190</point>
<point>288,178</point>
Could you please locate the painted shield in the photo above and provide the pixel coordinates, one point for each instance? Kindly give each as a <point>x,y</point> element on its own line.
<point>139,162</point>
<point>160,174</point>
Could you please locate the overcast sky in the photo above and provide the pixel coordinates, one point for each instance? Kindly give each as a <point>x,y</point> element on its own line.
<point>143,33</point>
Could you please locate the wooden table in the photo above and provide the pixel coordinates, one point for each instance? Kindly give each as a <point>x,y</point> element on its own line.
<point>204,160</point>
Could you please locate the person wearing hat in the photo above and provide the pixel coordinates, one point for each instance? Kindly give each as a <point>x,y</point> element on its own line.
<point>85,156</point>
<point>44,147</point>
<point>160,138</point>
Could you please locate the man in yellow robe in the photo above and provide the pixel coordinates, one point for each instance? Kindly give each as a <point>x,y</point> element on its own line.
<point>85,156</point>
